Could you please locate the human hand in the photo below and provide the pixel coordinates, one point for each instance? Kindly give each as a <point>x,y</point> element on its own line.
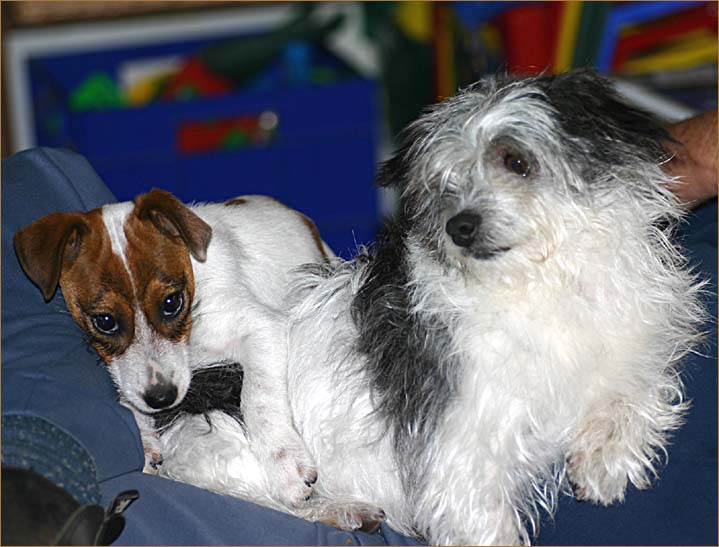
<point>695,158</point>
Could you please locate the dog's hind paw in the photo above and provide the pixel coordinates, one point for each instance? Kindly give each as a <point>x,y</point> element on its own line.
<point>348,516</point>
<point>293,477</point>
<point>366,518</point>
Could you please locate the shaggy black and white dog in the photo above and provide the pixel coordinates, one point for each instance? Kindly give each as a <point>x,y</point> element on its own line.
<point>516,330</point>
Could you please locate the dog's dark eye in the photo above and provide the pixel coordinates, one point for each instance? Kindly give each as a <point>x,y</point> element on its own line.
<point>105,323</point>
<point>172,305</point>
<point>516,164</point>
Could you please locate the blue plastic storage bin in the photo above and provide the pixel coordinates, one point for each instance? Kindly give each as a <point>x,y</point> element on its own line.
<point>321,160</point>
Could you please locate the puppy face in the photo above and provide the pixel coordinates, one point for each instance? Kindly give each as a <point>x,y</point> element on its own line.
<point>126,275</point>
<point>502,169</point>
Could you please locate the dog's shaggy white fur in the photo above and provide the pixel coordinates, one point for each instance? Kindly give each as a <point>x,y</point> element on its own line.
<point>517,329</point>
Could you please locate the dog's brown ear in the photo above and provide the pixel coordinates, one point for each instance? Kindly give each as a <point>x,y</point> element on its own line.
<point>43,246</point>
<point>174,219</point>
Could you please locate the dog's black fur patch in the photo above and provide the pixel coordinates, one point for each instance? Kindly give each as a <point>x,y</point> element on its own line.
<point>589,108</point>
<point>402,349</point>
<point>215,388</point>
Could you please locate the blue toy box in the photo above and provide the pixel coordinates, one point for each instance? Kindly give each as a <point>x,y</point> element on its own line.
<point>320,160</point>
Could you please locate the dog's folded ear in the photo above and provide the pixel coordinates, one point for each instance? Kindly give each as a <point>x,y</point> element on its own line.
<point>174,219</point>
<point>590,107</point>
<point>43,246</point>
<point>394,172</point>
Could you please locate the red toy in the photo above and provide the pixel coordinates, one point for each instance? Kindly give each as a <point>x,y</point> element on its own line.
<point>195,80</point>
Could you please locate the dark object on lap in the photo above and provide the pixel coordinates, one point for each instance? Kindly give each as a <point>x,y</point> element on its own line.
<point>215,388</point>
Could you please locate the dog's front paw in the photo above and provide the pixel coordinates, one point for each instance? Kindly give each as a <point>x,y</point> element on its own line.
<point>593,481</point>
<point>598,472</point>
<point>292,475</point>
<point>153,453</point>
<point>153,461</point>
<point>610,451</point>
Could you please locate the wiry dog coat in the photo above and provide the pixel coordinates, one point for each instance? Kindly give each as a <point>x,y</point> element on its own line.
<point>518,326</point>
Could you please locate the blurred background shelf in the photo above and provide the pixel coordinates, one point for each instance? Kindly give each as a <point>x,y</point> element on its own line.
<point>220,104</point>
<point>49,12</point>
<point>302,100</point>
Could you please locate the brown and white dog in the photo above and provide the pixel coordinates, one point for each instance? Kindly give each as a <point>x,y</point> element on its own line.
<point>163,289</point>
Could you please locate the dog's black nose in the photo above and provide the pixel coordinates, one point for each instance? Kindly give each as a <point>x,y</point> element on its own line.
<point>160,396</point>
<point>463,228</point>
